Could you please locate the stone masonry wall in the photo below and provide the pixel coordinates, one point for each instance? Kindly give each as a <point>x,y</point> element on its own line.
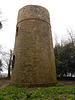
<point>34,63</point>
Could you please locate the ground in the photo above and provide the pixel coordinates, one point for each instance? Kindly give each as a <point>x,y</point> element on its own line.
<point>68,82</point>
<point>5,81</point>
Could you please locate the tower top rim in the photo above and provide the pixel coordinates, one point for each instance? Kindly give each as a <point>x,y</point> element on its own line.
<point>33,11</point>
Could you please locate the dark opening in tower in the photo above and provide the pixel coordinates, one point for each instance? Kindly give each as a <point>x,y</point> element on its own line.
<point>13,63</point>
<point>16,31</point>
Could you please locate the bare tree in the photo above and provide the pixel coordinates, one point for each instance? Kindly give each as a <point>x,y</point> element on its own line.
<point>0,25</point>
<point>0,66</point>
<point>2,21</point>
<point>7,60</point>
<point>72,38</point>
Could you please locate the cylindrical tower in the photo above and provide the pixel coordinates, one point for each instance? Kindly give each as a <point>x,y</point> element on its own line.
<point>33,60</point>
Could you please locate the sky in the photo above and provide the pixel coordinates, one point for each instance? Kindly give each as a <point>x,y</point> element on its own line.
<point>62,17</point>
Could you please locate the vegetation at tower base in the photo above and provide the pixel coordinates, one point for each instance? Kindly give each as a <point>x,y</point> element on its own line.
<point>47,93</point>
<point>33,60</point>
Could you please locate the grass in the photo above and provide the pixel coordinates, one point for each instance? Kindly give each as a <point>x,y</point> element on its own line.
<point>59,92</point>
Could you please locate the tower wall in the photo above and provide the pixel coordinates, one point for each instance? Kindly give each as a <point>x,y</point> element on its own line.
<point>34,62</point>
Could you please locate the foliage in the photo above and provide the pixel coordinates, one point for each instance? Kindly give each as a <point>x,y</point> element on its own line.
<point>48,93</point>
<point>64,59</point>
<point>59,84</point>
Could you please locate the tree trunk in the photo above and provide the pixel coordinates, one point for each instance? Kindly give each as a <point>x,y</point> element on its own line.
<point>9,64</point>
<point>9,69</point>
<point>71,74</point>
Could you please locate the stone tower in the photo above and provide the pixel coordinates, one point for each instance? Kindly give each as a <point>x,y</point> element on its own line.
<point>33,60</point>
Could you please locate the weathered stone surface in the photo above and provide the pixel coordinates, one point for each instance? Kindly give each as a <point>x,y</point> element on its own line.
<point>30,12</point>
<point>34,61</point>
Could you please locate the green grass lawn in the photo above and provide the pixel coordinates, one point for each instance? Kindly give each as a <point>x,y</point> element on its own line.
<point>59,92</point>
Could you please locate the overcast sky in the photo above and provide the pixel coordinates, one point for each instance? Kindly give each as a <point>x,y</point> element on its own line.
<point>62,16</point>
